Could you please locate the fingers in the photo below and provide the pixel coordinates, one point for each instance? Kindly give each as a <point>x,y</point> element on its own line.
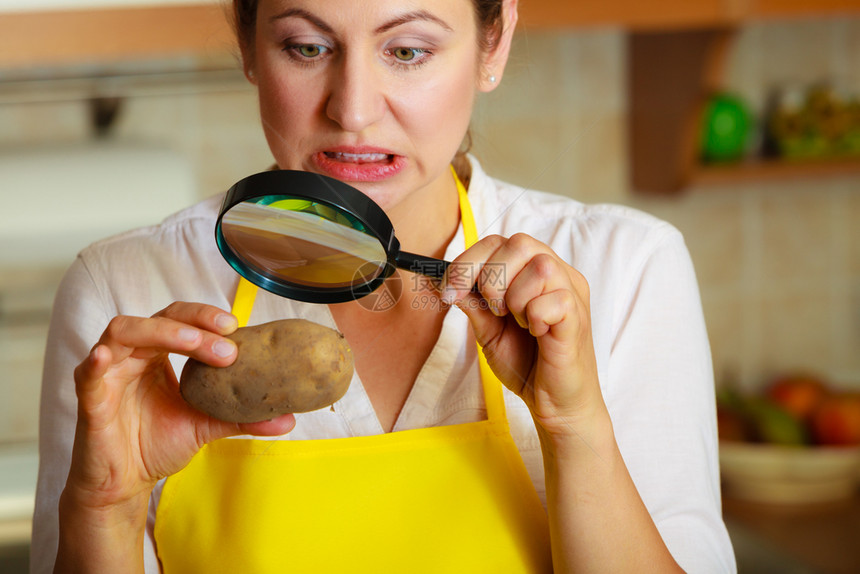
<point>202,328</point>
<point>129,346</point>
<point>213,324</point>
<point>190,329</point>
<point>486,325</point>
<point>502,277</point>
<point>206,317</point>
<point>463,273</point>
<point>556,310</point>
<point>510,275</point>
<point>91,371</point>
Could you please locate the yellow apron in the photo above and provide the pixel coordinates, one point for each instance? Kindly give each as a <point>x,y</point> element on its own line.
<point>438,500</point>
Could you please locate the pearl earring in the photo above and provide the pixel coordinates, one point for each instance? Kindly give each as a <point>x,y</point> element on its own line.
<point>492,79</point>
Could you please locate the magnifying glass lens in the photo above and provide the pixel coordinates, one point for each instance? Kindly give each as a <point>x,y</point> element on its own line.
<point>303,242</point>
<point>311,238</point>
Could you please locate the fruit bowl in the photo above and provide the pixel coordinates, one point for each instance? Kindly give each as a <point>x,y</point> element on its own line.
<point>789,474</point>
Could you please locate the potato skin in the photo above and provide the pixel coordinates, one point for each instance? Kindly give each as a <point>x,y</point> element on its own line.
<point>287,366</point>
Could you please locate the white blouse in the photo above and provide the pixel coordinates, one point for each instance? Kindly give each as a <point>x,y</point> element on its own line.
<point>652,352</point>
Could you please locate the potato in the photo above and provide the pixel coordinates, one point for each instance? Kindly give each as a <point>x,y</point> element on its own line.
<point>288,366</point>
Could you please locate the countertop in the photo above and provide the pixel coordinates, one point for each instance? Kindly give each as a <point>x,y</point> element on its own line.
<point>795,539</point>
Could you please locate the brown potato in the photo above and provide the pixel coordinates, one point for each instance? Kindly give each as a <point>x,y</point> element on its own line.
<point>288,366</point>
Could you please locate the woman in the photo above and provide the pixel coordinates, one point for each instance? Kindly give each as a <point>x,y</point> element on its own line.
<point>589,317</point>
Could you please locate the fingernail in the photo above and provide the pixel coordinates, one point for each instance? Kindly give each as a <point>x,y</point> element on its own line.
<point>188,334</point>
<point>223,348</point>
<point>448,296</point>
<point>94,354</point>
<point>225,322</point>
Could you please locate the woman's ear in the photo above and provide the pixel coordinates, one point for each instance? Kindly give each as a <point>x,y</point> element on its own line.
<point>497,58</point>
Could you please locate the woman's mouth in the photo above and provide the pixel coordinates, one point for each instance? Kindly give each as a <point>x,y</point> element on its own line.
<point>357,165</point>
<point>358,157</point>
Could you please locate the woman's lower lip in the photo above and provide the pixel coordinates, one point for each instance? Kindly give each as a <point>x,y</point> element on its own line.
<point>359,167</point>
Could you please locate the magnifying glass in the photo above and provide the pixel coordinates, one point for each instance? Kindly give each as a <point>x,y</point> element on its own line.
<point>311,238</point>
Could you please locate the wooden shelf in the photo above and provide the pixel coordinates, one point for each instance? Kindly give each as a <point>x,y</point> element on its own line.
<point>774,170</point>
<point>97,37</point>
<point>671,75</point>
<point>629,14</point>
<point>767,9</point>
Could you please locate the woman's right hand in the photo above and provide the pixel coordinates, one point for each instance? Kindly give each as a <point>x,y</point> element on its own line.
<point>133,426</point>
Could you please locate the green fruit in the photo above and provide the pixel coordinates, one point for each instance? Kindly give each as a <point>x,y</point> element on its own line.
<point>725,129</point>
<point>774,425</point>
<point>729,398</point>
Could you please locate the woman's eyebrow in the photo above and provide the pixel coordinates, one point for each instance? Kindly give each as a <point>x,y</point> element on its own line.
<point>416,15</point>
<point>304,14</point>
<point>412,17</point>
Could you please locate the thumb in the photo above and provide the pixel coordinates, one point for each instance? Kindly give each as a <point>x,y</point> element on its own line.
<point>507,347</point>
<point>486,326</point>
<point>217,429</point>
<point>274,427</point>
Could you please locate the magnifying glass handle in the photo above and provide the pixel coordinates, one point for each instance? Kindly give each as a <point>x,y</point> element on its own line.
<point>421,264</point>
<point>429,267</point>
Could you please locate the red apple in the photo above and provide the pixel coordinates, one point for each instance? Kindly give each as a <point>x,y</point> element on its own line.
<point>799,395</point>
<point>836,420</point>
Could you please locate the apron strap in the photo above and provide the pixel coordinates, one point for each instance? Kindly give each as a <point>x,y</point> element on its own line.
<point>246,293</point>
<point>493,394</point>
<point>467,218</point>
<point>243,303</point>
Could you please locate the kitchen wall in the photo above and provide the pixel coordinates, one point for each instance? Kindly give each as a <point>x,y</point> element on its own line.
<point>778,263</point>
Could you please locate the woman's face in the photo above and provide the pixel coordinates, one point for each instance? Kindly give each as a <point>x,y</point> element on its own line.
<point>375,93</point>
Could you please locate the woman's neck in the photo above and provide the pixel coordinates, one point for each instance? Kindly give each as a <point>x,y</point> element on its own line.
<point>426,221</point>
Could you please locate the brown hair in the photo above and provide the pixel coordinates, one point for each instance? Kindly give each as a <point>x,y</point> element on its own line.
<point>245,22</point>
<point>488,15</point>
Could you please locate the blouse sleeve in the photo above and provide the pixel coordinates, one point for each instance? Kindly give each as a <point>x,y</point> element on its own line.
<point>78,318</point>
<point>660,394</point>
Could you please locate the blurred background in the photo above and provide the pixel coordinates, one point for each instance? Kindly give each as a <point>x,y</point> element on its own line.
<point>738,122</point>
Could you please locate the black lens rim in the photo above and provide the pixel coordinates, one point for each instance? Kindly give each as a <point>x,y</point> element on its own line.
<point>322,189</point>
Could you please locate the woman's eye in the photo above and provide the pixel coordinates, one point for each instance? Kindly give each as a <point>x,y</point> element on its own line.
<point>305,51</point>
<point>404,55</point>
<point>310,50</point>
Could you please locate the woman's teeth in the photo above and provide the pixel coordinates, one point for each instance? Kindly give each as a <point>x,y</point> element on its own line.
<point>358,157</point>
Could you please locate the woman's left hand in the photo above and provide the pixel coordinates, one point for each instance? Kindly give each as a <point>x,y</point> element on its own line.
<point>534,324</point>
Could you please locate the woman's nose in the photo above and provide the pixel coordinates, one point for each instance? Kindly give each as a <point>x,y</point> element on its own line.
<point>356,100</point>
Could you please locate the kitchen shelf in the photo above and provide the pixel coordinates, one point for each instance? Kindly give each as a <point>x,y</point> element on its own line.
<point>774,170</point>
<point>90,37</point>
<point>671,74</point>
<point>629,14</point>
